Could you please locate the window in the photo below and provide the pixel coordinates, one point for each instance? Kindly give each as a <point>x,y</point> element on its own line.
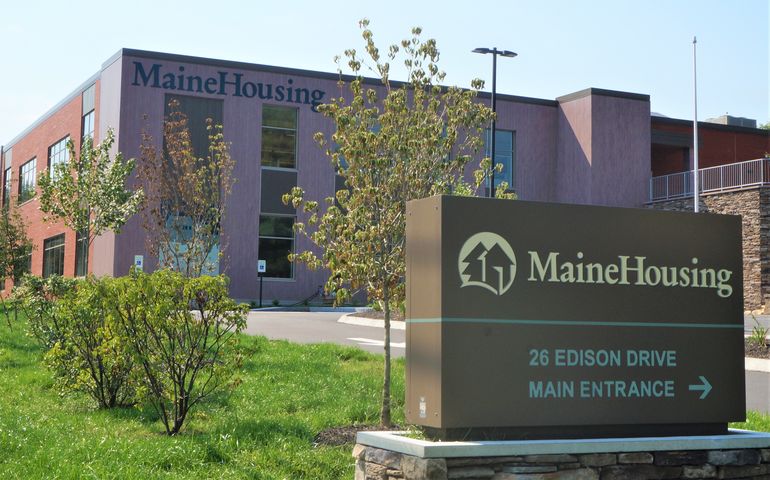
<point>53,256</point>
<point>7,187</point>
<point>198,111</point>
<point>504,154</point>
<point>276,242</point>
<point>279,137</point>
<point>27,180</point>
<point>58,154</point>
<point>88,124</point>
<point>89,104</point>
<point>81,253</point>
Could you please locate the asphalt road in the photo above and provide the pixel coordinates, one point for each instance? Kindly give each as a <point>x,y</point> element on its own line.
<point>319,327</point>
<point>322,327</point>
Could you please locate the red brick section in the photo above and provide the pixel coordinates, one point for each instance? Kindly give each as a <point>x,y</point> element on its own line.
<point>65,121</point>
<point>717,146</point>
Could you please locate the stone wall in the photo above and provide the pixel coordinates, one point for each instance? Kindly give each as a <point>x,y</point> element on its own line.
<point>754,207</point>
<point>377,464</point>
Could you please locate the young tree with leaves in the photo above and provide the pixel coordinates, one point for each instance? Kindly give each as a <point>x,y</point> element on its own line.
<point>185,195</point>
<point>88,192</point>
<point>393,144</point>
<point>15,249</point>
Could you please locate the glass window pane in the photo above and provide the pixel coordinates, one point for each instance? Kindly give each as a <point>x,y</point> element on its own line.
<point>58,154</point>
<point>81,254</point>
<point>271,226</point>
<point>280,117</point>
<point>53,256</point>
<point>504,154</point>
<point>278,148</point>
<point>276,252</point>
<point>88,124</point>
<point>27,180</point>
<point>7,187</point>
<point>279,142</point>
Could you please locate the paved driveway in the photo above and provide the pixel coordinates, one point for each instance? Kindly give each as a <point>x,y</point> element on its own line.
<point>322,327</point>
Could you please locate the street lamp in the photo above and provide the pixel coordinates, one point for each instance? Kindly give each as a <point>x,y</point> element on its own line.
<point>503,53</point>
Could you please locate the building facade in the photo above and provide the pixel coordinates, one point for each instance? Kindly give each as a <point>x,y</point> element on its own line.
<point>591,147</point>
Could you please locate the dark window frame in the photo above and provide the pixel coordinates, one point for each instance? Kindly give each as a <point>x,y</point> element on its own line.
<point>499,155</point>
<point>27,180</point>
<point>7,186</point>
<point>277,237</point>
<point>92,116</point>
<point>53,255</point>
<point>81,254</point>
<point>61,151</point>
<point>277,129</point>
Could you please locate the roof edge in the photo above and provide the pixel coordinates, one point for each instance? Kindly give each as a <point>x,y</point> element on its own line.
<point>604,93</point>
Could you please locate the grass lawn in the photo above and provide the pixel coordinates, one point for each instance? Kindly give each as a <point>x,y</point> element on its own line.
<point>264,430</point>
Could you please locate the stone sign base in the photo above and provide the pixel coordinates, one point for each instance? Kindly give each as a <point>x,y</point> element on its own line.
<point>391,456</point>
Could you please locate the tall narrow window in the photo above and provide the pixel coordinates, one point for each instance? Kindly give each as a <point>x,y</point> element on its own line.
<point>276,242</point>
<point>88,124</point>
<point>504,154</point>
<point>27,174</point>
<point>279,137</point>
<point>58,154</point>
<point>89,106</point>
<point>81,254</point>
<point>7,187</point>
<point>53,256</point>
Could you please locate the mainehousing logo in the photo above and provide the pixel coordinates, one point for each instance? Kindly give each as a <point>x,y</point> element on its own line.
<point>487,260</point>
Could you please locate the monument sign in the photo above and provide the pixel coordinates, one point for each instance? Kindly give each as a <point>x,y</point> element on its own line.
<point>534,320</point>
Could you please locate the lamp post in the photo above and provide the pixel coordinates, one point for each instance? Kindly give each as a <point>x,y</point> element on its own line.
<point>503,53</point>
<point>695,177</point>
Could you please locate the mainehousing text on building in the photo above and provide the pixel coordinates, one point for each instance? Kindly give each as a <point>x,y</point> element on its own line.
<point>596,146</point>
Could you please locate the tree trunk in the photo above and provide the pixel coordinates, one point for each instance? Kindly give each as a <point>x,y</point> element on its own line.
<point>385,412</point>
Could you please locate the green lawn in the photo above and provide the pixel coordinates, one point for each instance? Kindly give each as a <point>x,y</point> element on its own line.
<point>264,430</point>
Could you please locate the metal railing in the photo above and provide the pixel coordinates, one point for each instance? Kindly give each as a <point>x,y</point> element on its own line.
<point>734,176</point>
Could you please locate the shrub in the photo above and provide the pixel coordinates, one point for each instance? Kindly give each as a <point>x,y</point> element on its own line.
<point>182,334</point>
<point>37,298</point>
<point>89,354</point>
<point>758,333</point>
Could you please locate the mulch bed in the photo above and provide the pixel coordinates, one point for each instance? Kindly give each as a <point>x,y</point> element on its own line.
<point>337,436</point>
<point>755,351</point>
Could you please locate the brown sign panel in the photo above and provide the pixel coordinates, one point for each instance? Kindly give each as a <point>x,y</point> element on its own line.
<point>533,319</point>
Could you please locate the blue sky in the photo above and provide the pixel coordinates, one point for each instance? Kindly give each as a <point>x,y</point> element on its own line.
<point>49,48</point>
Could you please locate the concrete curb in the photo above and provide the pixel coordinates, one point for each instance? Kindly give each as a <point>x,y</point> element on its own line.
<point>757,365</point>
<point>352,319</point>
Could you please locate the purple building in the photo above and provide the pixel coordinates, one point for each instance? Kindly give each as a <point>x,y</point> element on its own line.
<point>589,147</point>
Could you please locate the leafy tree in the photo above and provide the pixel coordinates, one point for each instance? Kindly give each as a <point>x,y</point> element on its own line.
<point>186,195</point>
<point>15,249</point>
<point>182,332</point>
<point>765,126</point>
<point>88,192</point>
<point>15,244</point>
<point>392,144</point>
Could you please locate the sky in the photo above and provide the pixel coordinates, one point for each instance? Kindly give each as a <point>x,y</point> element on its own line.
<point>49,48</point>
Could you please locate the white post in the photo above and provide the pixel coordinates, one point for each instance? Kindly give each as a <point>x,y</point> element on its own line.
<point>695,180</point>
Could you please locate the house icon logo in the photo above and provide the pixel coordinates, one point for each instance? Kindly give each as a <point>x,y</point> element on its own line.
<point>487,260</point>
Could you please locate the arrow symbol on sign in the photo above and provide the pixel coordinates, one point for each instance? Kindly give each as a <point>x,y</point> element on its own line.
<point>704,386</point>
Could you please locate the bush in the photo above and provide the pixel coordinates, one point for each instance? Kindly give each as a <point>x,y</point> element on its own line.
<point>181,332</point>
<point>90,355</point>
<point>37,298</point>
